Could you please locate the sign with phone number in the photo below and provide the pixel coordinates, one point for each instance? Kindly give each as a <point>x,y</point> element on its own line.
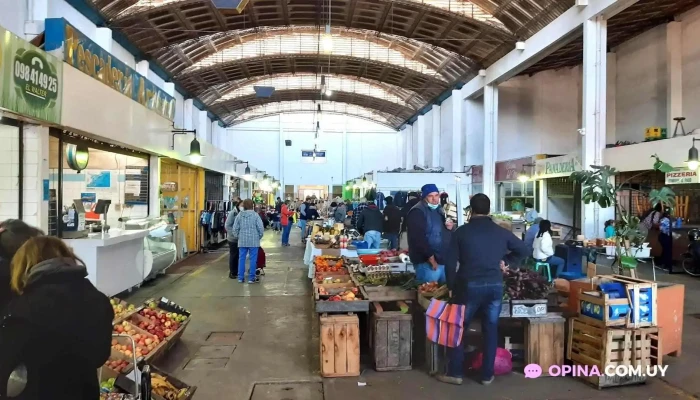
<point>29,79</point>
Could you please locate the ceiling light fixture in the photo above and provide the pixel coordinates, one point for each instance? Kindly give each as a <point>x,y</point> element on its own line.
<point>195,153</point>
<point>693,162</point>
<point>246,175</point>
<point>327,40</point>
<point>524,176</point>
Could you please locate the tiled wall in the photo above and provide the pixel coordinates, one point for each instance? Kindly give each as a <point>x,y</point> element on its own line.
<point>33,172</point>
<point>9,170</point>
<point>74,184</point>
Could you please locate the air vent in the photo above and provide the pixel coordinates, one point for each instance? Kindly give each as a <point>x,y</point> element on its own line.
<point>288,143</point>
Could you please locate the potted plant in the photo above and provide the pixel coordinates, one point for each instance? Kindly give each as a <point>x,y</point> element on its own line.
<point>598,187</point>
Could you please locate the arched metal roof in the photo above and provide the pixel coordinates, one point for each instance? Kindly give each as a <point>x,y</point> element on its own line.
<point>233,106</point>
<point>424,46</point>
<point>347,83</point>
<point>307,106</point>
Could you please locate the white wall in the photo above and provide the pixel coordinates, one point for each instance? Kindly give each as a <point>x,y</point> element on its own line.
<point>641,85</point>
<point>474,132</point>
<point>12,16</point>
<point>539,114</point>
<point>365,147</point>
<point>128,122</point>
<point>691,69</point>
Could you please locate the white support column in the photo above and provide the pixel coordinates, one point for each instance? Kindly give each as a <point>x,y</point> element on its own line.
<point>142,68</point>
<point>37,12</point>
<point>154,184</point>
<point>409,146</point>
<point>202,126</point>
<point>169,88</point>
<point>103,37</point>
<point>188,114</point>
<point>595,39</point>
<point>435,139</point>
<point>457,115</point>
<point>674,74</point>
<point>419,126</point>
<point>490,141</point>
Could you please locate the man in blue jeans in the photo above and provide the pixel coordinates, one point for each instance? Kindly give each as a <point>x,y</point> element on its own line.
<point>428,236</point>
<point>479,251</point>
<point>370,223</point>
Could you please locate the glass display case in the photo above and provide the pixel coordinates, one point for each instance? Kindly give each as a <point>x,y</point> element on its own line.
<point>160,248</point>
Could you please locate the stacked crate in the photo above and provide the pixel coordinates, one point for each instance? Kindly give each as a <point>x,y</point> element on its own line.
<point>616,325</point>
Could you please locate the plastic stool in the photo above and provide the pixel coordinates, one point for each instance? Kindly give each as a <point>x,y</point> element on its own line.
<point>545,265</point>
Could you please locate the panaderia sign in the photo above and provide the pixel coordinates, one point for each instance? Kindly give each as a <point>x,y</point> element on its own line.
<point>76,49</point>
<point>557,167</point>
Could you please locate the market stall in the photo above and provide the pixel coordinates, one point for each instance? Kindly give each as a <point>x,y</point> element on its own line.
<point>142,335</point>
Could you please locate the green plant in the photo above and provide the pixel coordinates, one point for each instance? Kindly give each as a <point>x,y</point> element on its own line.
<point>598,186</point>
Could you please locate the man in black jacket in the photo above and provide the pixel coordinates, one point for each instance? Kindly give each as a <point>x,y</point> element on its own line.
<point>428,236</point>
<point>392,223</point>
<point>370,224</point>
<point>479,251</point>
<point>413,198</point>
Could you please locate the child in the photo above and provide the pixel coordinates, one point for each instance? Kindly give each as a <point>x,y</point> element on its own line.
<point>609,229</point>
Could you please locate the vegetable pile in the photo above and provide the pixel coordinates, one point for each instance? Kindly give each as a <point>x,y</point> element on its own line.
<point>524,284</point>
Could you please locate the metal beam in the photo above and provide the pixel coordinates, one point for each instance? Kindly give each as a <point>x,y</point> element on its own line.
<point>543,43</point>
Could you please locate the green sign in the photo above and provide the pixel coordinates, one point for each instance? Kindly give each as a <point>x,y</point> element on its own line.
<point>30,79</point>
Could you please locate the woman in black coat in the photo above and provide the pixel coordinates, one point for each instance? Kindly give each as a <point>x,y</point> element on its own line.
<point>58,327</point>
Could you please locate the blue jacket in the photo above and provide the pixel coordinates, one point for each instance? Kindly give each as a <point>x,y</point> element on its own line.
<point>248,229</point>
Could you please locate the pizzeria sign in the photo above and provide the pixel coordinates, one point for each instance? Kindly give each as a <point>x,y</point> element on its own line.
<point>682,177</point>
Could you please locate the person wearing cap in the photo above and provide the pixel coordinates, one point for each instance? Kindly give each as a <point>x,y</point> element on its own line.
<point>428,236</point>
<point>482,249</point>
<point>530,213</point>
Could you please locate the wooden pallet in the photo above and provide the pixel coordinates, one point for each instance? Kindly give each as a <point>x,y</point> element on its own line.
<point>591,345</point>
<point>391,336</point>
<point>340,345</point>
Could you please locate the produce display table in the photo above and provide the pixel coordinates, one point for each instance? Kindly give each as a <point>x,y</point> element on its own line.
<point>311,252</point>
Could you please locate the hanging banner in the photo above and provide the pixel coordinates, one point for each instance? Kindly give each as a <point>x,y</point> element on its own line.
<point>477,174</point>
<point>557,167</point>
<point>76,49</point>
<point>30,79</point>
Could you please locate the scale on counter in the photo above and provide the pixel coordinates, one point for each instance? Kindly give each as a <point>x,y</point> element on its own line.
<point>73,221</point>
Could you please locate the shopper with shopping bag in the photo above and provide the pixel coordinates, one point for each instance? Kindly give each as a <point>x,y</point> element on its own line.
<point>479,251</point>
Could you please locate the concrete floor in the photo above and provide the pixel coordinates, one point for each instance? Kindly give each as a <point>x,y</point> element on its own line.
<point>260,342</point>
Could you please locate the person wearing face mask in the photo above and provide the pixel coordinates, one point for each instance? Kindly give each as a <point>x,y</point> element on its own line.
<point>428,236</point>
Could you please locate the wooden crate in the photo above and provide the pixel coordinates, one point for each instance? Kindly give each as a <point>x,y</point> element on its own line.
<point>340,345</point>
<point>633,288</point>
<point>391,336</point>
<point>602,303</point>
<point>593,345</point>
<point>387,293</point>
<point>435,358</point>
<point>545,341</point>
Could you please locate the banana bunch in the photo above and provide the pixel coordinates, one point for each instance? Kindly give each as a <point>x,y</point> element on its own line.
<point>163,388</point>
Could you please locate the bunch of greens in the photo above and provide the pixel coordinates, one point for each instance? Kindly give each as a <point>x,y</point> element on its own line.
<point>524,284</point>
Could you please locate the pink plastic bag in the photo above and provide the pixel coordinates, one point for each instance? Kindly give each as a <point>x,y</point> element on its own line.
<point>502,366</point>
